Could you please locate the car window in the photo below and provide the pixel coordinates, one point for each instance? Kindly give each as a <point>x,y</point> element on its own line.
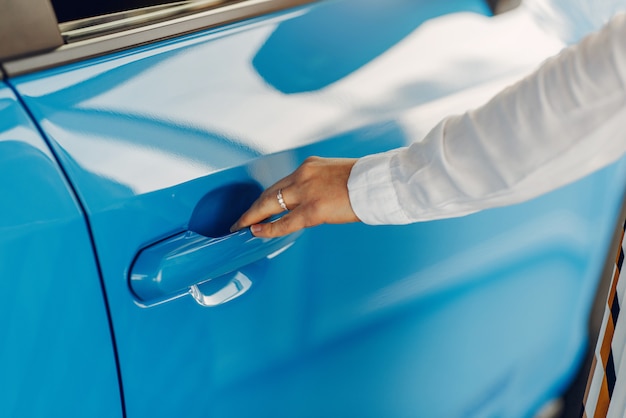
<point>67,10</point>
<point>90,31</point>
<point>83,20</point>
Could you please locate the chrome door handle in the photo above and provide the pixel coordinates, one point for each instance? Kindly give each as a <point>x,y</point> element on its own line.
<point>235,287</point>
<point>177,265</point>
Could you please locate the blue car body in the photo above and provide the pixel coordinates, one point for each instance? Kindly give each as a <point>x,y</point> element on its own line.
<point>110,161</point>
<point>57,353</point>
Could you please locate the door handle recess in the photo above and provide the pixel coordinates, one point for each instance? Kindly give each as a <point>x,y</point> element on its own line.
<point>177,265</point>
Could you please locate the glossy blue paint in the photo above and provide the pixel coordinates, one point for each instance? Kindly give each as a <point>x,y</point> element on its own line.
<point>169,268</point>
<point>335,39</point>
<point>482,315</point>
<point>56,353</point>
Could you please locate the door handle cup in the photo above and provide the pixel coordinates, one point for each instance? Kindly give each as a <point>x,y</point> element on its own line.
<point>173,267</point>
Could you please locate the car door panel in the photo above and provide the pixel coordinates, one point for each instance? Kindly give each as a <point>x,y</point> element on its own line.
<point>474,316</point>
<point>56,352</point>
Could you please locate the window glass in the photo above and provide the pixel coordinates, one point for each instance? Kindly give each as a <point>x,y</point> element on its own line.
<point>79,20</point>
<point>67,10</point>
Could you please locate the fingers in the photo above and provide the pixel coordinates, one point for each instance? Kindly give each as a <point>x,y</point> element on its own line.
<point>289,223</point>
<point>315,193</point>
<point>265,206</point>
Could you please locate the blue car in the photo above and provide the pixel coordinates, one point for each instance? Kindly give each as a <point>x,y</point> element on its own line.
<point>132,135</point>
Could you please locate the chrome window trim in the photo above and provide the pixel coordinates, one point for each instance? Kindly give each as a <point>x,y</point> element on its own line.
<point>95,26</point>
<point>90,48</point>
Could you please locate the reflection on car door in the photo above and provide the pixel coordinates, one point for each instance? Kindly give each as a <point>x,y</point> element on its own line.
<point>56,353</point>
<point>484,314</point>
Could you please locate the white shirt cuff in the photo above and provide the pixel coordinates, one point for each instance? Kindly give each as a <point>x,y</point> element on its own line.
<point>372,195</point>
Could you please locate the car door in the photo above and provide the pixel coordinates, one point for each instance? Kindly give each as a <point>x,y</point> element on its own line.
<point>56,354</point>
<point>168,129</point>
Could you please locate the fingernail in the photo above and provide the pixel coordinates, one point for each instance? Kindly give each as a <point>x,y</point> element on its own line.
<point>255,229</point>
<point>234,228</point>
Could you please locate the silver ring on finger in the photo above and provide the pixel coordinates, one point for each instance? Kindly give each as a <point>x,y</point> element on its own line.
<point>281,201</point>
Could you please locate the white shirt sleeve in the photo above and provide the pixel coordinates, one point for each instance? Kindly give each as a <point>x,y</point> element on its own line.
<point>561,123</point>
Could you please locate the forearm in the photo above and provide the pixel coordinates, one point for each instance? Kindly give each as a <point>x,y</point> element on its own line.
<point>564,121</point>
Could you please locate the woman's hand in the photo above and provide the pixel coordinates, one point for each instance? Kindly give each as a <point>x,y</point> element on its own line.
<point>316,193</point>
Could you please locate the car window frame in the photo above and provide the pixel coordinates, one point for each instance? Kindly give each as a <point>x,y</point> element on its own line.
<point>27,27</point>
<point>47,48</point>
